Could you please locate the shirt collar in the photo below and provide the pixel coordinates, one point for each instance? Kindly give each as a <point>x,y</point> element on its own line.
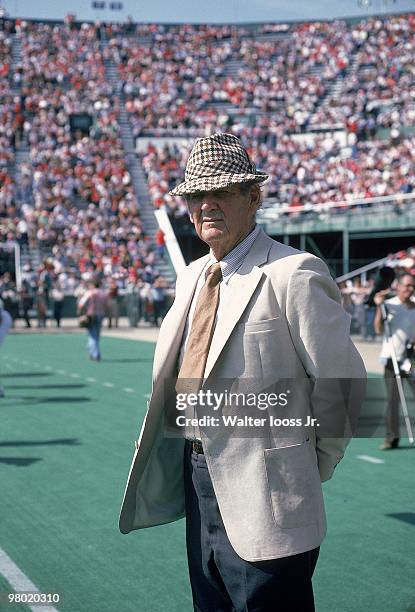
<point>232,260</point>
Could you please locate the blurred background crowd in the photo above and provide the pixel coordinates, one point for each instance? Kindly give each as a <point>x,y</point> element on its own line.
<point>326,108</point>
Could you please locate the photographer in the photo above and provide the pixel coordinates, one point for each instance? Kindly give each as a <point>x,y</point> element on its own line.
<point>401,316</point>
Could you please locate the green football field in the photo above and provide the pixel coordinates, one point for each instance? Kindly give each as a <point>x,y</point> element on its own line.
<point>66,439</point>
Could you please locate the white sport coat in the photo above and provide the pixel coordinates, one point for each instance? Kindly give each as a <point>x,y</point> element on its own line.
<point>286,322</point>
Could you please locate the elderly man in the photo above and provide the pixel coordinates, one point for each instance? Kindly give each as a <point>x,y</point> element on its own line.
<point>250,314</point>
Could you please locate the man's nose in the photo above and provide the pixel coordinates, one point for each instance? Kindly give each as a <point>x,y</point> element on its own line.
<point>209,201</point>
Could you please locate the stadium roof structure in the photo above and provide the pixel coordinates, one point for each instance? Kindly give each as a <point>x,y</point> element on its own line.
<point>215,11</point>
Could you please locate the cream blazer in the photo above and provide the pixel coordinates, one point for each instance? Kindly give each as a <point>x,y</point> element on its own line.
<point>286,322</point>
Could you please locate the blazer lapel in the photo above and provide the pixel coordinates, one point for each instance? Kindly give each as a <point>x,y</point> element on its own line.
<point>170,336</point>
<point>244,284</point>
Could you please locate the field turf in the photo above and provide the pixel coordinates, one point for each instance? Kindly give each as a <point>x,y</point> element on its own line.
<point>66,439</point>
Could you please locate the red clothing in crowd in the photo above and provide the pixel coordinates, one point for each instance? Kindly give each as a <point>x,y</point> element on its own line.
<point>160,238</point>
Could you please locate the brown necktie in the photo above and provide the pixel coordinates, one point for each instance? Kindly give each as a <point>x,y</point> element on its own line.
<point>197,348</point>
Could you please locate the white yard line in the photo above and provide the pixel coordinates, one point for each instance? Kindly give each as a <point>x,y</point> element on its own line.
<point>370,459</point>
<point>89,379</point>
<point>20,582</point>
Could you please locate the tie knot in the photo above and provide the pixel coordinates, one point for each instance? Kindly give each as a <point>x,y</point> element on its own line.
<point>214,274</point>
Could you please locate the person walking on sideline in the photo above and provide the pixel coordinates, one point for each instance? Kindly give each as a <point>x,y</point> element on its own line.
<point>94,304</point>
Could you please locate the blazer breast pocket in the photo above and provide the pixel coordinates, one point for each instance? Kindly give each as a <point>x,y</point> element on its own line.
<point>293,484</point>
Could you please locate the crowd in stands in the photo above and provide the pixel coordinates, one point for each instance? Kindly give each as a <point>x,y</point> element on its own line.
<point>186,74</point>
<point>62,74</point>
<point>323,171</point>
<point>73,197</point>
<point>9,133</point>
<point>303,173</point>
<point>10,120</point>
<point>6,103</point>
<point>193,80</point>
<point>186,70</point>
<point>167,81</point>
<point>378,91</point>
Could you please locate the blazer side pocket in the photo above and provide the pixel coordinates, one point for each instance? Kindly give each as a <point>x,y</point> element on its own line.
<point>293,485</point>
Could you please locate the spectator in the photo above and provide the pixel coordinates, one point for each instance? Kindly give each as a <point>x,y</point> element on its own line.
<point>369,318</point>
<point>9,296</point>
<point>160,244</point>
<point>112,304</point>
<point>58,297</point>
<point>41,306</point>
<point>358,295</point>
<point>5,324</point>
<point>132,301</point>
<point>26,301</point>
<point>159,299</point>
<point>94,304</point>
<point>147,299</point>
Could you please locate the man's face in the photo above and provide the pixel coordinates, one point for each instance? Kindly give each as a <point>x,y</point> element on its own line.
<point>405,288</point>
<point>222,218</point>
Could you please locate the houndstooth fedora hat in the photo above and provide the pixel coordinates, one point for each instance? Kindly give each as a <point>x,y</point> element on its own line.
<point>217,161</point>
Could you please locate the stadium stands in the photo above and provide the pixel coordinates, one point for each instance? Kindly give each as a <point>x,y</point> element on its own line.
<point>326,108</point>
<point>305,173</point>
<point>74,200</point>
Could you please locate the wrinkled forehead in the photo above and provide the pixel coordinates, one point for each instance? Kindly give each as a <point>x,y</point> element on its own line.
<point>232,189</point>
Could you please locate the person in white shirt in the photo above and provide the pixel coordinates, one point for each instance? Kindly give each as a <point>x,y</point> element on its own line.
<point>401,316</point>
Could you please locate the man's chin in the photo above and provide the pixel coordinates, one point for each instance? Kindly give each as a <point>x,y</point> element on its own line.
<point>212,234</point>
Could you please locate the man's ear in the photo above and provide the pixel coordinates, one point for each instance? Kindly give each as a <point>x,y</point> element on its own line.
<point>255,197</point>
